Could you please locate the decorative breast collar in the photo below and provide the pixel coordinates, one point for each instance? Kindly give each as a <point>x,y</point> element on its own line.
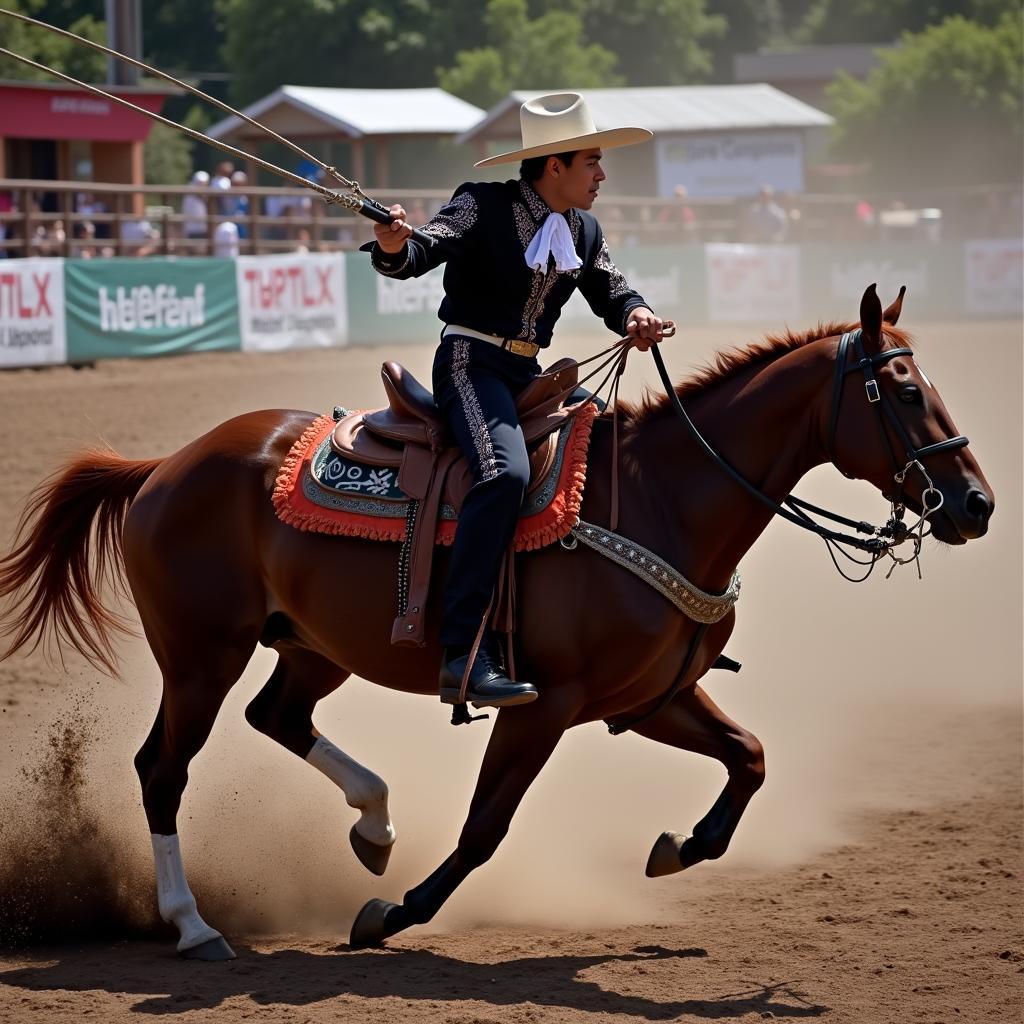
<point>693,602</point>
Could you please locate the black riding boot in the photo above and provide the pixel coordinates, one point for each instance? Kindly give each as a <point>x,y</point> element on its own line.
<point>488,686</point>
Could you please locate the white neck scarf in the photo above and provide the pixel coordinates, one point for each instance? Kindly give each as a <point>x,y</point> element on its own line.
<point>553,239</point>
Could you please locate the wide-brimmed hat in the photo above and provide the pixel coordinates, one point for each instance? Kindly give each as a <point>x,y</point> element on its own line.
<point>561,123</point>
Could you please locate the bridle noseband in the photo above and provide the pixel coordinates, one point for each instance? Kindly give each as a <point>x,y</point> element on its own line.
<point>931,497</point>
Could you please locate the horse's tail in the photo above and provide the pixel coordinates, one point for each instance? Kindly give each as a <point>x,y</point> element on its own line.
<point>67,545</point>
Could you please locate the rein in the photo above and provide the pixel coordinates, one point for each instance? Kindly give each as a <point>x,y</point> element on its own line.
<point>882,539</point>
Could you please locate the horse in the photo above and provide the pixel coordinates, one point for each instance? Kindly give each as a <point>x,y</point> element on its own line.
<point>213,572</point>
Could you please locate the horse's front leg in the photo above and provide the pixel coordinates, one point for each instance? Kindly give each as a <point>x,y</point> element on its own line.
<point>694,722</point>
<point>522,741</point>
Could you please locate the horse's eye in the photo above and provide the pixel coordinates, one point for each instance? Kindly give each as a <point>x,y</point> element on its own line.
<point>911,394</point>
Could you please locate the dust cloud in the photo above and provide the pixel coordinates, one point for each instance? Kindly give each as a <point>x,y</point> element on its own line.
<point>836,679</point>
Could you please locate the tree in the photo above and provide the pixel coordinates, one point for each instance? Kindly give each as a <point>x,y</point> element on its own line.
<point>47,48</point>
<point>657,42</point>
<point>944,108</point>
<point>882,21</point>
<point>545,52</point>
<point>356,43</point>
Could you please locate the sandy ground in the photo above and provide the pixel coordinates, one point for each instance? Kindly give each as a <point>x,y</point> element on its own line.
<point>876,877</point>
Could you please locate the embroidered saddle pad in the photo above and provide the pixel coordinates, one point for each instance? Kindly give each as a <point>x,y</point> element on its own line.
<point>324,491</point>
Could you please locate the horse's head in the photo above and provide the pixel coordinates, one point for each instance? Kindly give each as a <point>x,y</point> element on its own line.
<point>889,425</point>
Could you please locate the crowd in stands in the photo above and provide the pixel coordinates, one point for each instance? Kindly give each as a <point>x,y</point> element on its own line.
<point>216,218</point>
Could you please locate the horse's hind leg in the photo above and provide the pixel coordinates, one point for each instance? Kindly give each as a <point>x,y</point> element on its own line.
<point>522,741</point>
<point>283,710</point>
<point>192,696</point>
<point>694,722</point>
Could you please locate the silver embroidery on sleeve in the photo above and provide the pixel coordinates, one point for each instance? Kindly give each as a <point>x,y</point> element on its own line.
<point>454,219</point>
<point>472,411</point>
<point>617,284</point>
<point>391,271</point>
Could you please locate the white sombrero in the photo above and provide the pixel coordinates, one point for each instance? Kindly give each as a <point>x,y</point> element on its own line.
<point>561,123</point>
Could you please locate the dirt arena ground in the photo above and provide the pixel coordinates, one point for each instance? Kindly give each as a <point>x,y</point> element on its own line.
<point>876,877</point>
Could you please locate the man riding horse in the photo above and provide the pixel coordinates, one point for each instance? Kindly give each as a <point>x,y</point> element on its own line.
<point>516,251</point>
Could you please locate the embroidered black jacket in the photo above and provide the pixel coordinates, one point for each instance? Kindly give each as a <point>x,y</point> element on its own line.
<point>482,235</point>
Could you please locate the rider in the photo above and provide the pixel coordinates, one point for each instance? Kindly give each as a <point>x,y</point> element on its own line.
<point>516,251</point>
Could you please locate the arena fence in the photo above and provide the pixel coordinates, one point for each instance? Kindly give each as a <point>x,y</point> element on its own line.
<point>55,310</point>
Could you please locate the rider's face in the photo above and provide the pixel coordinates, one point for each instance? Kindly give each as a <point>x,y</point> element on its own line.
<point>577,184</point>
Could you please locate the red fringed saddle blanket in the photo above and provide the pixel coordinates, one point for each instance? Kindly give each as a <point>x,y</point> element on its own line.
<point>320,489</point>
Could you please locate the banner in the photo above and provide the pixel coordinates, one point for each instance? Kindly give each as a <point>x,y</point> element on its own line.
<point>994,270</point>
<point>385,311</point>
<point>729,165</point>
<point>753,283</point>
<point>32,312</point>
<point>295,300</point>
<point>149,307</point>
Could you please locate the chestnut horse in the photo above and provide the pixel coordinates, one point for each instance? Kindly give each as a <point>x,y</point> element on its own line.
<point>213,572</point>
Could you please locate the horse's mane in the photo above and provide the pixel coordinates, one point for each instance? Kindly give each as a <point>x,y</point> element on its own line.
<point>734,361</point>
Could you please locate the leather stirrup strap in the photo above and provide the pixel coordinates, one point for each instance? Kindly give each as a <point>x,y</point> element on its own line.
<point>474,651</point>
<point>408,628</point>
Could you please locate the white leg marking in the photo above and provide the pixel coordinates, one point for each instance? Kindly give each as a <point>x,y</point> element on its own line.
<point>177,904</point>
<point>367,792</point>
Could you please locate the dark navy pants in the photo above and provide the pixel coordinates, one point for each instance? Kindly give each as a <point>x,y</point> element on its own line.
<point>476,385</point>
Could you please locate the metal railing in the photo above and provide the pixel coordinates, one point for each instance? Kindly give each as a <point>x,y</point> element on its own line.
<point>91,219</point>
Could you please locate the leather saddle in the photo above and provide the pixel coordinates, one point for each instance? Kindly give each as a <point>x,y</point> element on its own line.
<point>411,434</point>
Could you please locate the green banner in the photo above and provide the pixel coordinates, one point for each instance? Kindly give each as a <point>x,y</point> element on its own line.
<point>383,310</point>
<point>149,307</point>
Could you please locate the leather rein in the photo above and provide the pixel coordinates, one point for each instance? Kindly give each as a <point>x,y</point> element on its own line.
<point>879,540</point>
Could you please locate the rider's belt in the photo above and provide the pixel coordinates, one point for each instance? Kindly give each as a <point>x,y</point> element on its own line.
<point>516,346</point>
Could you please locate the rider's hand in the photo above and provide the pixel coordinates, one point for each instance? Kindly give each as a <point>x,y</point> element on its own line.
<point>644,328</point>
<point>391,237</point>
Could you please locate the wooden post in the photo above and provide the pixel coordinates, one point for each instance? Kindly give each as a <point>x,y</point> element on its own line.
<point>65,209</point>
<point>26,222</point>
<point>383,162</point>
<point>359,160</point>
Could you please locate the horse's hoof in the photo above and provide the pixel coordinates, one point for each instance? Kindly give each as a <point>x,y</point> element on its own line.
<point>665,858</point>
<point>212,950</point>
<point>368,928</point>
<point>372,856</point>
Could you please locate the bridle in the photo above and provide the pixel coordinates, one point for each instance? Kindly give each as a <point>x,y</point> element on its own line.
<point>880,540</point>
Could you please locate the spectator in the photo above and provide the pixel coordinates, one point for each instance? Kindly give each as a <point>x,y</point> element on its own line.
<point>225,239</point>
<point>141,237</point>
<point>240,210</point>
<point>678,215</point>
<point>221,182</point>
<point>302,240</point>
<point>193,208</point>
<point>766,221</point>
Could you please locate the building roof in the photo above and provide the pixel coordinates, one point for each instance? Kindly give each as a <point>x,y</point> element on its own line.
<point>356,112</point>
<point>806,63</point>
<point>679,108</point>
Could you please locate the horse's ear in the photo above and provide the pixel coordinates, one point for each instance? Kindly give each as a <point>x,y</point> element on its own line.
<point>892,314</point>
<point>871,318</point>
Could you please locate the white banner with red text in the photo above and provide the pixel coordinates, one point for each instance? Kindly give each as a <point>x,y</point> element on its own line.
<point>295,300</point>
<point>32,322</point>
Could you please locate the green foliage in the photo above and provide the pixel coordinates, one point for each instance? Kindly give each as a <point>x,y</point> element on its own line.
<point>168,156</point>
<point>180,35</point>
<point>657,42</point>
<point>943,109</point>
<point>355,43</point>
<point>46,48</point>
<point>545,52</point>
<point>882,21</point>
